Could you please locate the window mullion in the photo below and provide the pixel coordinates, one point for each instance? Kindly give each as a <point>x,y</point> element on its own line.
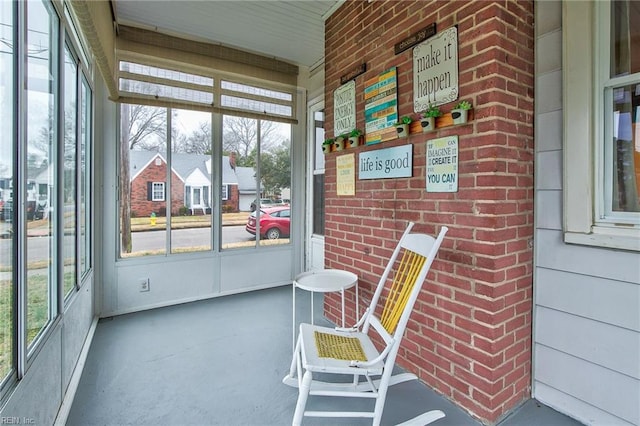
<point>19,181</point>
<point>167,185</point>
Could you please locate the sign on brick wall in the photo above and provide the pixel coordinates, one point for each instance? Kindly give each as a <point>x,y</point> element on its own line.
<point>345,175</point>
<point>381,106</point>
<point>344,108</point>
<point>393,162</point>
<point>435,70</point>
<point>442,164</point>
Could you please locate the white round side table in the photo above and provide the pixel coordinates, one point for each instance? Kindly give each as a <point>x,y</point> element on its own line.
<point>324,281</point>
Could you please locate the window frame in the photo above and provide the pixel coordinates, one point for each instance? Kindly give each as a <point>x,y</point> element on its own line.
<point>154,185</point>
<point>583,169</point>
<point>63,39</point>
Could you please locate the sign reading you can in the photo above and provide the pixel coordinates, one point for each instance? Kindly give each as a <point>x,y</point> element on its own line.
<point>344,108</point>
<point>435,70</point>
<point>442,164</point>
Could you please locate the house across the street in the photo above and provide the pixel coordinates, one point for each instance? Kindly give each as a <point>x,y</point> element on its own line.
<point>190,184</point>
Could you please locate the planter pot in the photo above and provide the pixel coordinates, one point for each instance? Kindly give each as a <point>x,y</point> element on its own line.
<point>459,116</point>
<point>339,144</point>
<point>353,141</point>
<point>428,124</point>
<point>326,148</point>
<point>403,130</point>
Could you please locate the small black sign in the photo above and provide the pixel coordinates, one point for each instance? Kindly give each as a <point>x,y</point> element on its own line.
<point>416,38</point>
<point>353,73</point>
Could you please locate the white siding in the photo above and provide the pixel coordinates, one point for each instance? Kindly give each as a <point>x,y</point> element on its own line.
<point>586,299</point>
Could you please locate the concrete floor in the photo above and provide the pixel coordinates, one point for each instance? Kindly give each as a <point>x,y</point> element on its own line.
<point>221,362</point>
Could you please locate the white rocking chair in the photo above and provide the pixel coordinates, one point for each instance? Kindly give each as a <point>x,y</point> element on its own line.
<point>350,351</point>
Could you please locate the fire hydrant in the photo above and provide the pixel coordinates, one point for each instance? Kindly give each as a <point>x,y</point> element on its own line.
<point>153,219</point>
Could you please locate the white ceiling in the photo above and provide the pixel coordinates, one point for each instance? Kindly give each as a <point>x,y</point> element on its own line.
<point>292,31</point>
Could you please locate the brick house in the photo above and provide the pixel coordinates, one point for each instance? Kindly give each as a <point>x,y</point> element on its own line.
<point>190,184</point>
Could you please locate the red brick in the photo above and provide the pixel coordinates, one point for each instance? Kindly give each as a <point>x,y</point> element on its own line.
<point>483,272</point>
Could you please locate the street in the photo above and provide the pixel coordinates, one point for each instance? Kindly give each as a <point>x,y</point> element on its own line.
<point>38,246</point>
<point>193,237</point>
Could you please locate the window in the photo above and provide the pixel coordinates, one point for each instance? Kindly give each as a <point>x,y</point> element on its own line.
<point>45,177</point>
<point>318,175</point>
<point>620,84</point>
<point>85,176</point>
<point>258,163</point>
<point>602,147</point>
<point>69,193</point>
<point>165,164</point>
<point>7,154</point>
<point>157,191</point>
<point>169,175</point>
<point>40,189</point>
<point>190,180</point>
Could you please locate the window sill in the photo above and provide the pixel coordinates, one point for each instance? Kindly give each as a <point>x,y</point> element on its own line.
<point>625,239</point>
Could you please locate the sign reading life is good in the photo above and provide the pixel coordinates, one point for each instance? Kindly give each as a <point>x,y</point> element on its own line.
<point>385,163</point>
<point>435,70</point>
<point>442,164</point>
<point>344,108</point>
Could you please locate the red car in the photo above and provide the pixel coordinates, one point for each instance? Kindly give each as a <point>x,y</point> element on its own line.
<point>274,222</point>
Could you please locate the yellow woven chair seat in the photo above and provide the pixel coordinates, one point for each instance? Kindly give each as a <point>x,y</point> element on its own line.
<point>339,347</point>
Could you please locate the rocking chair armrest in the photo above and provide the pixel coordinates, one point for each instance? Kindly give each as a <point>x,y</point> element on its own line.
<point>357,325</point>
<point>346,329</point>
<point>379,358</point>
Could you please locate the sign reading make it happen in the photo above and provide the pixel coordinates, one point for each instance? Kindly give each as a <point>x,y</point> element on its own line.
<point>435,70</point>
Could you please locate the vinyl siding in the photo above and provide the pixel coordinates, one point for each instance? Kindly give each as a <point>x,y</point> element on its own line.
<point>586,360</point>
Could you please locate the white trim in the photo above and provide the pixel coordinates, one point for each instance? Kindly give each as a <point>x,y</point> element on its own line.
<point>153,191</point>
<point>584,170</point>
<point>577,108</point>
<point>69,396</point>
<point>314,243</point>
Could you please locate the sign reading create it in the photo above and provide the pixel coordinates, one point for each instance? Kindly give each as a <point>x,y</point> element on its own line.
<point>435,70</point>
<point>442,164</point>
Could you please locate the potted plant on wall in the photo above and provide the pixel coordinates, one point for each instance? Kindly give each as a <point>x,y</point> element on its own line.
<point>354,138</point>
<point>326,145</point>
<point>428,119</point>
<point>340,141</point>
<point>402,126</point>
<point>460,112</point>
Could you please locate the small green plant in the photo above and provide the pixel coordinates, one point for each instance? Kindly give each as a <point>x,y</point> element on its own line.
<point>404,120</point>
<point>465,105</point>
<point>328,141</point>
<point>344,136</point>
<point>432,111</point>
<point>355,133</point>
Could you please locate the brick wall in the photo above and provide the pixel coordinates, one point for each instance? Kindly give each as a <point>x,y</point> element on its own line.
<point>470,334</point>
<point>141,206</point>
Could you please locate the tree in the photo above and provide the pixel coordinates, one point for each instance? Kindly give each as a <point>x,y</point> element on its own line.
<point>199,141</point>
<point>147,127</point>
<point>275,169</point>
<point>241,136</point>
<point>141,127</point>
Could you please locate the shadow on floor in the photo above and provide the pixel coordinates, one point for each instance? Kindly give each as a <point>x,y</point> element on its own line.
<point>221,362</point>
